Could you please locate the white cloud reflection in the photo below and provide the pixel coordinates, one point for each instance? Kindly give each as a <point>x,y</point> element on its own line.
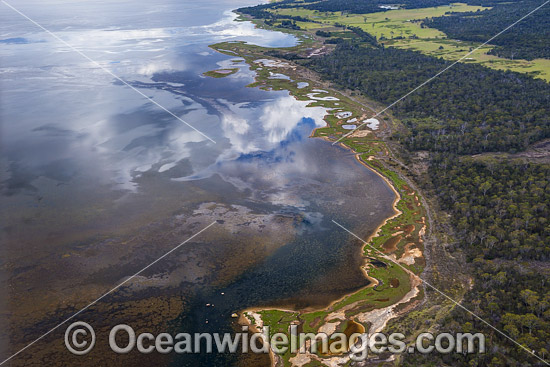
<point>280,118</point>
<point>110,130</point>
<point>227,28</point>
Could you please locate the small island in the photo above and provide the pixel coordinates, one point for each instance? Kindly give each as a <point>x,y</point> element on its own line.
<point>221,73</point>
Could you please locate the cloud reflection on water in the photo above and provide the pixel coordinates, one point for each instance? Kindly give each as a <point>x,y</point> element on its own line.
<point>79,117</point>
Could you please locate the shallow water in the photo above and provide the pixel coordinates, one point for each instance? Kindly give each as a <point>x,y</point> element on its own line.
<point>87,161</point>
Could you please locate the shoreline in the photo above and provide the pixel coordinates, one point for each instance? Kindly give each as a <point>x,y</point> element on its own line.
<point>415,280</point>
<point>373,281</point>
<point>375,316</point>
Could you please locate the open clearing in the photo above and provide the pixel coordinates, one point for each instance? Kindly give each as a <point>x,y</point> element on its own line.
<point>403,29</point>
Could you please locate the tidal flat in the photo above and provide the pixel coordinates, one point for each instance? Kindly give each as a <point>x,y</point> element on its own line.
<point>99,183</point>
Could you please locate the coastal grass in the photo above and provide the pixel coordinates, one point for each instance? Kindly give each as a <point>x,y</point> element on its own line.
<point>278,320</point>
<point>383,294</point>
<point>221,73</point>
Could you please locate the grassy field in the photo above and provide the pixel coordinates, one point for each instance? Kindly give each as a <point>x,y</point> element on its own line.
<point>454,50</point>
<point>388,24</point>
<point>403,29</point>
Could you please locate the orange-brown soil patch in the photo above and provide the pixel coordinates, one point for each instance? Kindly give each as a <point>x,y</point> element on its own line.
<point>409,229</point>
<point>391,244</point>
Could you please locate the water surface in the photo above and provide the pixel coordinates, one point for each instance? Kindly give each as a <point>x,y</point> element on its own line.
<point>97,182</point>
